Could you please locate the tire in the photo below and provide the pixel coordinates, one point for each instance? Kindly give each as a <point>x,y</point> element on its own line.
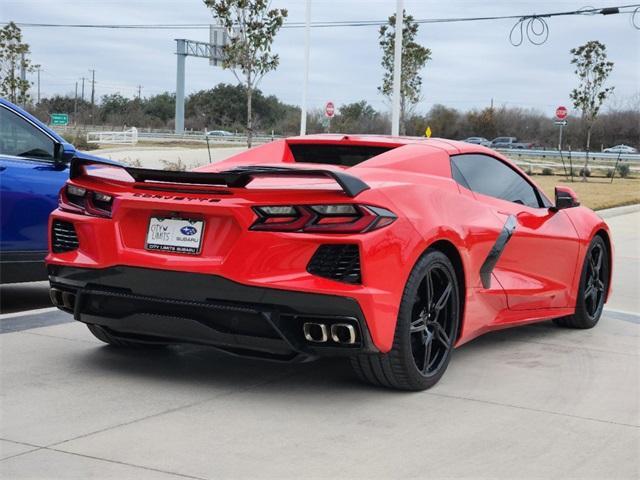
<point>594,283</point>
<point>424,321</point>
<point>104,336</point>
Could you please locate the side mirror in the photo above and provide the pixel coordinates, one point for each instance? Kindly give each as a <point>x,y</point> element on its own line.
<point>62,156</point>
<point>565,198</point>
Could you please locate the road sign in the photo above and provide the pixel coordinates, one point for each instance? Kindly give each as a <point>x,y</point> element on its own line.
<point>427,132</point>
<point>562,123</point>
<point>561,112</point>
<point>329,109</point>
<point>59,119</point>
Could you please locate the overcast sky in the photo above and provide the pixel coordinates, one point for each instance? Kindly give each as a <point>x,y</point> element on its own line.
<point>472,62</point>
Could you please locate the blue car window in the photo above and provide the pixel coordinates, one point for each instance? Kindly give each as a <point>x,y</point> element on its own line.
<point>20,138</point>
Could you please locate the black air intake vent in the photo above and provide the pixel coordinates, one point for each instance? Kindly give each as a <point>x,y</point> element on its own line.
<point>63,237</point>
<point>338,262</point>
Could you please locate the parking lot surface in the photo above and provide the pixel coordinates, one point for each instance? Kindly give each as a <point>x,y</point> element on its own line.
<point>530,402</point>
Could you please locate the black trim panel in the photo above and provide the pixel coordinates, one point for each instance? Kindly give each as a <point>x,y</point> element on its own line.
<point>494,254</point>
<point>207,309</point>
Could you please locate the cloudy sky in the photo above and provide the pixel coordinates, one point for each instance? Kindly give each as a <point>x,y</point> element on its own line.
<point>472,62</point>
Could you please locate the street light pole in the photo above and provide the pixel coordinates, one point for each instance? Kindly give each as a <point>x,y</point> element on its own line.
<point>397,69</point>
<point>305,86</point>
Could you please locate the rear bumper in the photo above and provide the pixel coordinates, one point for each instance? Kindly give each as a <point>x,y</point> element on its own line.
<point>165,305</point>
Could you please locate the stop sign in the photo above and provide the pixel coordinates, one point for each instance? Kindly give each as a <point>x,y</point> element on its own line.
<point>329,109</point>
<point>561,112</point>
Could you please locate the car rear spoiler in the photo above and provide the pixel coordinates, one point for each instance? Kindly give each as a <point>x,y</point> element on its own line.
<point>238,177</point>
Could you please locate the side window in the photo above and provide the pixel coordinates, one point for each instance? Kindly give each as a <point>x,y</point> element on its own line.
<point>19,138</point>
<point>489,176</point>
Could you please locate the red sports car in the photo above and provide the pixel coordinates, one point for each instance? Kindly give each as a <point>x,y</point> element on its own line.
<point>391,251</point>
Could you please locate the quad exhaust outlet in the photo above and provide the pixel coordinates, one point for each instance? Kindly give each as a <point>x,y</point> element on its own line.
<point>340,333</point>
<point>61,298</point>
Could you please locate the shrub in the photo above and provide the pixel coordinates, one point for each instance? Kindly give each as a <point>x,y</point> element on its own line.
<point>547,171</point>
<point>610,173</point>
<point>79,140</point>
<point>624,170</point>
<point>584,173</point>
<point>176,166</point>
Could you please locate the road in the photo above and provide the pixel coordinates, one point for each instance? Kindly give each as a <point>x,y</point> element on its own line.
<point>531,402</point>
<point>160,157</point>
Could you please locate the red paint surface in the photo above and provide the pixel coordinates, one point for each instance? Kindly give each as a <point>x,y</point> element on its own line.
<point>535,279</point>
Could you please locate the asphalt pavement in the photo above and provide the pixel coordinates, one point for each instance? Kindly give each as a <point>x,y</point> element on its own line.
<point>529,402</point>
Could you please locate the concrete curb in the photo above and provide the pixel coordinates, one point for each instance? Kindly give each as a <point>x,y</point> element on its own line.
<point>617,211</point>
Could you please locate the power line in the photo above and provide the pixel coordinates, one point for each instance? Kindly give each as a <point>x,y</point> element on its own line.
<point>632,9</point>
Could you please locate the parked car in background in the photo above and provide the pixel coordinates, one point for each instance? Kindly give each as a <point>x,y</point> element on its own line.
<point>478,141</point>
<point>34,165</point>
<point>219,133</point>
<point>620,149</point>
<point>509,142</point>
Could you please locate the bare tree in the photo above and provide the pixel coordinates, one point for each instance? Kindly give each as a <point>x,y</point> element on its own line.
<point>252,27</point>
<point>414,58</point>
<point>593,69</point>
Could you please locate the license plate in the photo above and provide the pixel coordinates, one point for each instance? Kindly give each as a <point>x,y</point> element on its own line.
<point>178,235</point>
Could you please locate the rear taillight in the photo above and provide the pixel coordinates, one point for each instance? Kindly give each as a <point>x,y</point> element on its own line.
<point>339,218</point>
<point>80,200</point>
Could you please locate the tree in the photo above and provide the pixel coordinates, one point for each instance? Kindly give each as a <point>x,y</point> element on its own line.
<point>414,58</point>
<point>14,58</point>
<point>251,27</point>
<point>593,69</point>
<point>483,122</point>
<point>358,117</point>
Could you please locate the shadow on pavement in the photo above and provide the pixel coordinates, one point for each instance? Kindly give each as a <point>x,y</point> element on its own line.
<point>209,368</point>
<point>16,297</point>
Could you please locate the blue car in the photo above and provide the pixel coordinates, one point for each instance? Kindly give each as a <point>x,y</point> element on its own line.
<point>34,165</point>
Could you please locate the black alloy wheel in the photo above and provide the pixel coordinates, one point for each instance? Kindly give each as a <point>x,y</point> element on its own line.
<point>426,329</point>
<point>432,326</point>
<point>592,291</point>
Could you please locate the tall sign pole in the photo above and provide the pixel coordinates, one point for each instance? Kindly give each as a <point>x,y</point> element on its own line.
<point>561,116</point>
<point>397,69</point>
<point>181,52</point>
<point>305,86</point>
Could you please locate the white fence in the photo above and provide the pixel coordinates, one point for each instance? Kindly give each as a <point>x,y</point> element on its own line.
<point>566,154</point>
<point>126,137</point>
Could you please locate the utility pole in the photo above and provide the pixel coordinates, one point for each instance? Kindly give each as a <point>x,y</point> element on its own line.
<point>397,69</point>
<point>75,104</point>
<point>93,92</point>
<point>139,92</point>
<point>83,79</point>
<point>38,68</point>
<point>305,85</point>
<point>93,87</point>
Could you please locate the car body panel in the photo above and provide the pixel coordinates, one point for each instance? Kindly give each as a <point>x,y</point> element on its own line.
<point>535,278</point>
<point>29,189</point>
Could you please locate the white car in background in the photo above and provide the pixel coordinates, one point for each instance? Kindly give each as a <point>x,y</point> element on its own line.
<point>620,149</point>
<point>478,141</point>
<point>219,133</point>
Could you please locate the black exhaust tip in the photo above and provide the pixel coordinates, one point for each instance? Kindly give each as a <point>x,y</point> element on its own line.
<point>68,300</point>
<point>56,296</point>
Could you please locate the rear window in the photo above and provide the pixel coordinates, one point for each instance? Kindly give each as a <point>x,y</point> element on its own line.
<point>345,155</point>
